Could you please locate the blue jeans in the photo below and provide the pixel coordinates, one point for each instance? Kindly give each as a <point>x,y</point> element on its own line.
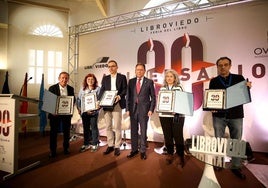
<point>235,128</point>
<point>90,129</point>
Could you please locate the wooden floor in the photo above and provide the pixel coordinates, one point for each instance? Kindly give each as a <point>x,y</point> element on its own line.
<point>96,170</point>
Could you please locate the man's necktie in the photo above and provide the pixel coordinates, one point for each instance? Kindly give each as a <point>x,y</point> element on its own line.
<point>138,86</point>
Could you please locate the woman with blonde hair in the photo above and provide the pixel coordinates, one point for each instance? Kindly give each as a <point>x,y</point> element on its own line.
<point>172,123</point>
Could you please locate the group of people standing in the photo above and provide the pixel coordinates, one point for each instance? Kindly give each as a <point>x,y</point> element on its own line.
<point>138,98</point>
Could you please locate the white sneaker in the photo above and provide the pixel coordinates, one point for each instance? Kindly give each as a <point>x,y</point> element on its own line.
<point>94,148</point>
<point>85,147</point>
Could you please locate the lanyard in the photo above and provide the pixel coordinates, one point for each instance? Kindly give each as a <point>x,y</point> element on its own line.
<point>89,90</point>
<point>224,83</point>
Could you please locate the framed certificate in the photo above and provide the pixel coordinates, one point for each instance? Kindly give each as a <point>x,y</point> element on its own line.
<point>108,98</point>
<point>165,101</point>
<point>89,102</point>
<point>60,105</point>
<point>65,105</point>
<point>175,101</point>
<point>215,99</point>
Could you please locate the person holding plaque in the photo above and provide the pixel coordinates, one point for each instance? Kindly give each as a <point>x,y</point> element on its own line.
<point>60,89</point>
<point>88,109</point>
<point>232,117</point>
<point>172,123</point>
<point>113,114</point>
<point>141,102</point>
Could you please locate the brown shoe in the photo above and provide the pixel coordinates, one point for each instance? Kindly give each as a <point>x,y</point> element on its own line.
<point>169,159</point>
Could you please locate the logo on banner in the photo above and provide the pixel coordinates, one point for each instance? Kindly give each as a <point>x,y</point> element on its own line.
<point>186,58</point>
<point>101,63</point>
<point>261,52</point>
<point>5,123</point>
<point>169,26</point>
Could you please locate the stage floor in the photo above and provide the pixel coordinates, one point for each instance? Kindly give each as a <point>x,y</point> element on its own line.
<point>90,169</point>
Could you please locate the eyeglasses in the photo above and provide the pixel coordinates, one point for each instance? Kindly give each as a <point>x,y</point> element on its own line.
<point>111,66</point>
<point>224,65</point>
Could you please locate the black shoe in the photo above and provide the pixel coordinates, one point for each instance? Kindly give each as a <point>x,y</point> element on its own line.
<point>66,152</point>
<point>250,158</point>
<point>108,150</point>
<point>182,161</point>
<point>52,155</point>
<point>132,154</point>
<point>216,168</point>
<point>238,173</point>
<point>169,159</point>
<point>116,151</point>
<point>143,156</point>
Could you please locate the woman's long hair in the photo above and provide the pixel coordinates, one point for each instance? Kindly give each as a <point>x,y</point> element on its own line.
<point>85,81</point>
<point>176,76</point>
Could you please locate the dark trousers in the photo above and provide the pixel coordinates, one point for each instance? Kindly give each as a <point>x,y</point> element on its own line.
<point>90,129</point>
<point>173,132</point>
<point>55,123</point>
<point>137,121</point>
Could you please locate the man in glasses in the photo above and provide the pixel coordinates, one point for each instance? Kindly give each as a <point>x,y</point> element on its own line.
<point>113,114</point>
<point>233,117</point>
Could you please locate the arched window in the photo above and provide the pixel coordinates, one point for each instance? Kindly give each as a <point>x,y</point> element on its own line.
<point>47,30</point>
<point>43,58</point>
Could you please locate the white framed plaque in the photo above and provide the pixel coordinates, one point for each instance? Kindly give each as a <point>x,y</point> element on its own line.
<point>175,101</point>
<point>165,101</point>
<point>89,102</point>
<point>65,105</point>
<point>215,99</point>
<point>108,98</point>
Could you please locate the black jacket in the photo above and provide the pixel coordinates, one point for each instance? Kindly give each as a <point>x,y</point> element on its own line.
<point>56,90</point>
<point>223,83</point>
<point>121,87</point>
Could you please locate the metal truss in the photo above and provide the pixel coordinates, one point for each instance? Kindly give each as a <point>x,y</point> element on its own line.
<point>163,11</point>
<point>166,10</point>
<point>73,57</point>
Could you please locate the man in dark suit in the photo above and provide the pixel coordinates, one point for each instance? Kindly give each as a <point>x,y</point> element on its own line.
<point>113,116</point>
<point>60,89</point>
<point>140,106</point>
<point>232,117</point>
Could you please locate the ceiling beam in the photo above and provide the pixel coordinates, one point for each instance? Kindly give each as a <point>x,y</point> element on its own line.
<point>27,2</point>
<point>102,6</point>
